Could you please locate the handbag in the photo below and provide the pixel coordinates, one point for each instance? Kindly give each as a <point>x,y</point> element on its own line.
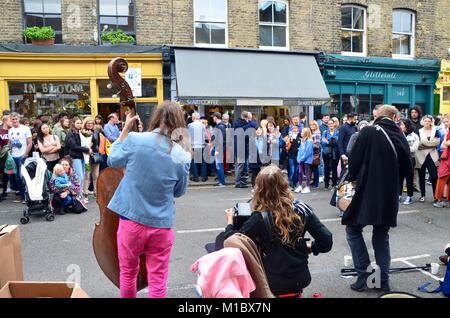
<point>4,152</point>
<point>10,165</point>
<point>316,160</point>
<point>344,194</point>
<point>77,206</point>
<point>96,157</point>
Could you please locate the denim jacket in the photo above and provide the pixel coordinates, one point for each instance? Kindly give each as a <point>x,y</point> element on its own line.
<point>305,152</point>
<point>154,175</point>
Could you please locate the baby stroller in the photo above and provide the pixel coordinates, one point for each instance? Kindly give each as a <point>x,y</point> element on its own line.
<point>35,177</point>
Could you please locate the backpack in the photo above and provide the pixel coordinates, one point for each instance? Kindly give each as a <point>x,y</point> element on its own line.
<point>444,286</point>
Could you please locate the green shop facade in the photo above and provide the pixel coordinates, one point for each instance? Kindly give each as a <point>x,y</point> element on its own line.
<point>358,84</point>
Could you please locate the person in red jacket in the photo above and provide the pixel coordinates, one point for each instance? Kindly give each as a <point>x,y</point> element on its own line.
<point>443,175</point>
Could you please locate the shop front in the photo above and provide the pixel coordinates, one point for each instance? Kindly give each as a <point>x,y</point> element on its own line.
<point>47,83</point>
<point>359,84</point>
<point>443,87</point>
<point>230,81</point>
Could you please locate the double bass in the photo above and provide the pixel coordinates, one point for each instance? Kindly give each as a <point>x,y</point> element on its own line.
<point>105,233</point>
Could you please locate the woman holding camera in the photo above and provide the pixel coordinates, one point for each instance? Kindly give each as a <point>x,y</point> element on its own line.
<point>330,153</point>
<point>283,246</point>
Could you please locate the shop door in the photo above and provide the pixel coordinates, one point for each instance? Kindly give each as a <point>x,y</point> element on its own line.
<point>403,108</point>
<point>105,109</point>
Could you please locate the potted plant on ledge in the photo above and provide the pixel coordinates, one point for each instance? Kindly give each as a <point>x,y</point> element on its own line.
<point>40,36</point>
<point>117,37</point>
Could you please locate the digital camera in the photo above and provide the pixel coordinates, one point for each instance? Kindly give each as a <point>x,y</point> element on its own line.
<point>242,212</point>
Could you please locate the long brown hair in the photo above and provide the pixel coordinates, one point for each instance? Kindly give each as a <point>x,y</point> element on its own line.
<point>272,193</point>
<point>168,117</point>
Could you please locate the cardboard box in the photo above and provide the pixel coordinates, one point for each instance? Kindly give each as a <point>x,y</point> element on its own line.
<point>11,268</point>
<point>42,290</point>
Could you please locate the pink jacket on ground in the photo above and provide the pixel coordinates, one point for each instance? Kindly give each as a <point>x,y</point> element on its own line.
<point>223,274</point>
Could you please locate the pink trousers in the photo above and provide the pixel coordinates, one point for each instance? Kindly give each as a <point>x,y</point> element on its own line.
<point>133,240</point>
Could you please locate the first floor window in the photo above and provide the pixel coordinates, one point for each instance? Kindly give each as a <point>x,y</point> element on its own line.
<point>273,24</point>
<point>446,93</point>
<point>353,28</point>
<point>403,24</point>
<point>210,22</point>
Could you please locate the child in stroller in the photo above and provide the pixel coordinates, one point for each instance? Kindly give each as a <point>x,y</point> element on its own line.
<point>35,177</point>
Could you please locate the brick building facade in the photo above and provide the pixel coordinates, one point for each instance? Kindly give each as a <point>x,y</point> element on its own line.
<point>313,24</point>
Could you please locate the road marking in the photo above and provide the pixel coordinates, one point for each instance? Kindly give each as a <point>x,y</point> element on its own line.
<point>401,259</point>
<point>236,199</point>
<point>339,219</point>
<point>212,187</point>
<point>201,230</point>
<point>184,287</point>
<point>421,270</point>
<point>219,229</point>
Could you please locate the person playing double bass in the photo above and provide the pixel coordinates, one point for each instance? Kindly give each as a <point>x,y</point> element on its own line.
<point>157,170</point>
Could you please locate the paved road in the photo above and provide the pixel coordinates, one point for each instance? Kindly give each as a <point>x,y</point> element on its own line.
<point>51,248</point>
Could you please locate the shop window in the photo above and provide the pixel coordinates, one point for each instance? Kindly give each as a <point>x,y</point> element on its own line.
<point>353,27</point>
<point>403,29</point>
<point>349,103</point>
<point>446,94</point>
<point>363,107</point>
<point>43,13</point>
<point>377,99</point>
<point>145,111</point>
<point>149,88</point>
<point>32,99</point>
<point>273,24</point>
<point>106,89</point>
<point>210,23</point>
<point>117,14</point>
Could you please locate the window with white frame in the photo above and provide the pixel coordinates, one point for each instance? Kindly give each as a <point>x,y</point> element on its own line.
<point>210,22</point>
<point>273,24</point>
<point>403,29</point>
<point>353,26</point>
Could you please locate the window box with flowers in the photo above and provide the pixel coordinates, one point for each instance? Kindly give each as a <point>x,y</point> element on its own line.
<point>117,37</point>
<point>40,35</point>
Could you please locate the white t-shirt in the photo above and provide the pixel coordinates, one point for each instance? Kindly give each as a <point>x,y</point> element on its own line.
<point>18,137</point>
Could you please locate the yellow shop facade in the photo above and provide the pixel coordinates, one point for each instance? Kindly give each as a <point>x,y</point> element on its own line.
<point>35,84</point>
<point>443,87</point>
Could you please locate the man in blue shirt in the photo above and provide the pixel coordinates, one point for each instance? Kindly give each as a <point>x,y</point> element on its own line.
<point>111,129</point>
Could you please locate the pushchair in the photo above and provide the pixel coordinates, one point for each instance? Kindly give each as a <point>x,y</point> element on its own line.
<point>35,177</point>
